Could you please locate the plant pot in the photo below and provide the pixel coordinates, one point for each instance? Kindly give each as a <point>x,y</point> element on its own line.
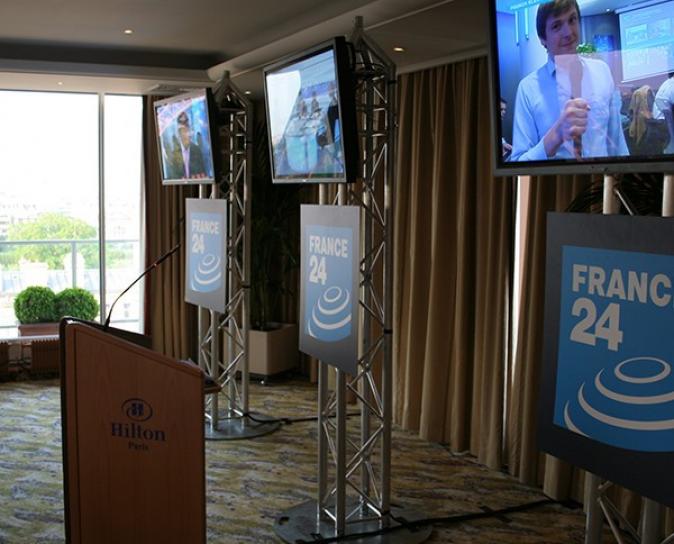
<point>39,329</point>
<point>273,351</point>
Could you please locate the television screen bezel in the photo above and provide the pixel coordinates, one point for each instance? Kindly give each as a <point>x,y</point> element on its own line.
<point>604,165</point>
<point>346,102</point>
<point>212,127</point>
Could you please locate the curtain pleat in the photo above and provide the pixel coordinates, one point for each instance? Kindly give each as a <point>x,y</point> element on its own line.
<point>168,319</point>
<point>453,238</point>
<point>546,193</point>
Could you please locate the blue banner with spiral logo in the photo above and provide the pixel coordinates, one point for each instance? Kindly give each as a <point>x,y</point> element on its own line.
<point>205,252</point>
<point>607,387</point>
<point>614,376</point>
<point>330,256</point>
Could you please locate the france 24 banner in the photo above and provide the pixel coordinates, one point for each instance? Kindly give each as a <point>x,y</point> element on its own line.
<point>607,395</point>
<point>330,255</point>
<point>205,252</point>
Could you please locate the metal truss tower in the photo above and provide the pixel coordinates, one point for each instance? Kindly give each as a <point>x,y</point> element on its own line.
<point>354,465</point>
<point>227,365</point>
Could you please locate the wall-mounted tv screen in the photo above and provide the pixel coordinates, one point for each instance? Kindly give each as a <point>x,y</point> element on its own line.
<point>186,138</point>
<point>311,116</point>
<point>583,86</point>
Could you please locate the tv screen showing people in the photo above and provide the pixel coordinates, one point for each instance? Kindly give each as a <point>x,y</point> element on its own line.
<point>583,83</point>
<point>306,110</point>
<point>184,135</point>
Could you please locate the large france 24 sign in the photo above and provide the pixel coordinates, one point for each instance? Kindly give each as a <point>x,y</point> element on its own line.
<point>607,396</point>
<point>329,285</point>
<point>205,253</point>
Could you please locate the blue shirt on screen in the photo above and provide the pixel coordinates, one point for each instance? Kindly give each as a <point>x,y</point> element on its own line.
<point>541,96</point>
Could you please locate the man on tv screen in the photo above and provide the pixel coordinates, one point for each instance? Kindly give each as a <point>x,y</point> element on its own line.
<point>569,108</point>
<point>188,158</point>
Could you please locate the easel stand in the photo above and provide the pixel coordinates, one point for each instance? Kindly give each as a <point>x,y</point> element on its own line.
<point>597,505</point>
<point>354,491</point>
<point>236,128</point>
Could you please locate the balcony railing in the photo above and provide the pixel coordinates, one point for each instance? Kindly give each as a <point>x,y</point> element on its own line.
<point>123,266</point>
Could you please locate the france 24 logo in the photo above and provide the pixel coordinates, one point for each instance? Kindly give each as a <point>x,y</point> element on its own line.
<point>329,301</point>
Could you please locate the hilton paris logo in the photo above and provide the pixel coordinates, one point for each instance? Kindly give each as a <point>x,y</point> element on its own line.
<point>136,429</point>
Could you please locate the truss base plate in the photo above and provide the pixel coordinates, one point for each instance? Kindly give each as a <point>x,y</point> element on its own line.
<point>240,427</point>
<point>298,524</point>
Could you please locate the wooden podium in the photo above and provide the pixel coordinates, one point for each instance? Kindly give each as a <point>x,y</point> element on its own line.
<point>133,441</point>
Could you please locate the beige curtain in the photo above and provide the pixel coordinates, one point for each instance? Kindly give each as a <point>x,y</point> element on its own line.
<point>453,241</point>
<point>524,460</point>
<point>168,320</point>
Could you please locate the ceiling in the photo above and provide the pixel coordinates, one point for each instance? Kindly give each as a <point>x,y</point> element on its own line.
<point>80,45</point>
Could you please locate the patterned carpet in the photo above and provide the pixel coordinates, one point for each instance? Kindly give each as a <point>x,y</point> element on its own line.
<point>250,482</point>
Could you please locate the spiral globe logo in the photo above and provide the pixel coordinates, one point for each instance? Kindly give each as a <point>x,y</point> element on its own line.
<point>330,319</point>
<point>629,406</point>
<point>207,274</point>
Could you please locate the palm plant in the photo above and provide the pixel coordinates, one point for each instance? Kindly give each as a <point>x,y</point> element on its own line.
<point>642,191</point>
<point>275,233</point>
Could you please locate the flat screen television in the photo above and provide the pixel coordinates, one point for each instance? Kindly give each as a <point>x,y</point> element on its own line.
<point>311,116</point>
<point>582,87</point>
<point>187,138</point>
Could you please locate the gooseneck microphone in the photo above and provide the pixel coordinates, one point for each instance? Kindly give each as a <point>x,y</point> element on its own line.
<point>143,274</point>
<point>175,232</point>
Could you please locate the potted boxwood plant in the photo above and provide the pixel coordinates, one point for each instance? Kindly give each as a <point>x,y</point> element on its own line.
<point>35,309</point>
<point>39,310</point>
<point>76,302</point>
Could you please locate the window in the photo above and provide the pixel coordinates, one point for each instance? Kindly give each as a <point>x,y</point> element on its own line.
<point>60,197</point>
